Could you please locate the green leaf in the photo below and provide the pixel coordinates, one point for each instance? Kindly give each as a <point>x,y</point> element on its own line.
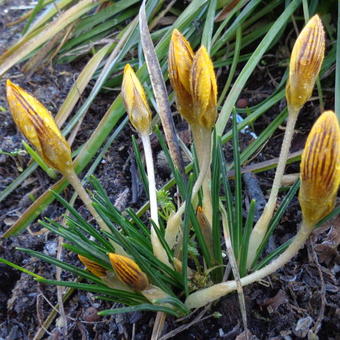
<point>22,269</point>
<point>68,267</point>
<point>142,307</point>
<point>250,66</point>
<point>216,223</point>
<point>209,25</point>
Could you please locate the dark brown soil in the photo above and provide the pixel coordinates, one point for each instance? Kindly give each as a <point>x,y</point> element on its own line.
<point>288,305</point>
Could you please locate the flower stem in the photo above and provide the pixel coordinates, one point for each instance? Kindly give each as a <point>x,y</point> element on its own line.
<point>157,247</point>
<point>201,136</point>
<point>261,226</point>
<point>205,296</point>
<point>174,221</point>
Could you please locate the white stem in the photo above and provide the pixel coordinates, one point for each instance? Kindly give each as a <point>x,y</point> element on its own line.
<point>200,136</point>
<point>157,247</point>
<point>151,178</point>
<point>174,222</point>
<point>205,296</point>
<point>261,226</point>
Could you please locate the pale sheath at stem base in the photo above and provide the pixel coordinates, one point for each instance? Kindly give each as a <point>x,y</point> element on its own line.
<point>205,296</point>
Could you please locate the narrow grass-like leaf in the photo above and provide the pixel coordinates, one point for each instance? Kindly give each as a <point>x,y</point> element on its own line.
<point>7,60</point>
<point>209,25</point>
<point>17,181</point>
<point>277,217</point>
<point>37,8</point>
<point>250,66</point>
<point>263,137</point>
<point>121,295</point>
<point>245,238</point>
<point>175,302</point>
<point>238,190</point>
<point>80,84</point>
<point>171,276</point>
<point>216,223</point>
<point>52,9</point>
<point>73,235</point>
<point>68,267</point>
<point>235,61</point>
<point>226,20</point>
<point>83,224</point>
<point>139,223</point>
<point>77,250</point>
<point>140,166</point>
<point>185,230</point>
<point>178,178</point>
<point>285,245</point>
<point>145,307</point>
<point>229,198</point>
<point>273,254</point>
<point>50,172</point>
<point>105,245</point>
<point>331,215</point>
<point>200,238</point>
<point>129,247</point>
<point>240,18</point>
<point>22,269</point>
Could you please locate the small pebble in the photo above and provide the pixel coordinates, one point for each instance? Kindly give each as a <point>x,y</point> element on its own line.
<point>242,103</point>
<point>302,327</point>
<point>90,315</point>
<point>51,248</point>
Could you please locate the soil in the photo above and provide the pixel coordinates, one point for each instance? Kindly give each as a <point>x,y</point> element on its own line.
<point>298,301</point>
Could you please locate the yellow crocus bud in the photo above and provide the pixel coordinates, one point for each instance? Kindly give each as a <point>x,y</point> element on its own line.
<point>129,272</point>
<point>320,169</point>
<point>37,124</point>
<point>135,101</point>
<point>180,62</point>
<point>305,63</point>
<point>204,89</point>
<point>93,266</point>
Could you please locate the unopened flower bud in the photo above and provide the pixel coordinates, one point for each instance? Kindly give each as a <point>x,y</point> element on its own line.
<point>305,63</point>
<point>180,62</point>
<point>93,266</point>
<point>135,101</point>
<point>204,89</point>
<point>37,124</point>
<point>129,272</point>
<point>320,169</point>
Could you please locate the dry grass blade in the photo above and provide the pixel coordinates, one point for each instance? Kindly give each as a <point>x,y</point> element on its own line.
<point>25,47</point>
<point>159,90</point>
<point>80,85</point>
<point>39,59</point>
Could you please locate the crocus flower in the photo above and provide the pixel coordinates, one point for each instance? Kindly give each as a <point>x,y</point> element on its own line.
<point>92,266</point>
<point>180,62</point>
<point>320,169</point>
<point>129,272</point>
<point>135,101</point>
<point>37,124</point>
<point>204,89</point>
<point>305,63</point>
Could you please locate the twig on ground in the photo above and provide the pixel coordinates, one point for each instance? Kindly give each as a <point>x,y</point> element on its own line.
<point>318,321</point>
<point>180,329</point>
